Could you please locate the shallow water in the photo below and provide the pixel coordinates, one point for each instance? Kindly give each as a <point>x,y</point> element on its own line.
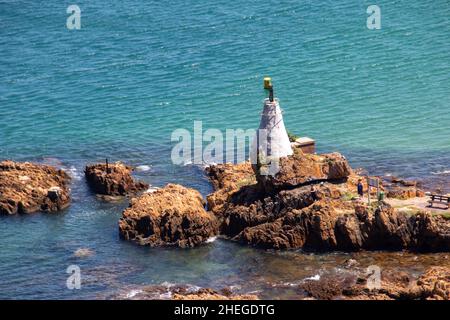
<point>138,70</point>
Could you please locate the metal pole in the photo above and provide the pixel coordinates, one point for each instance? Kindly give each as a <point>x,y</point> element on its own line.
<point>378,189</point>
<point>368,191</point>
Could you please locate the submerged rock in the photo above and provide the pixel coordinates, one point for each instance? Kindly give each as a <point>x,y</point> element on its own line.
<point>327,287</point>
<point>171,216</point>
<point>26,187</point>
<point>113,179</point>
<point>433,284</point>
<point>210,294</point>
<point>166,291</point>
<point>83,252</point>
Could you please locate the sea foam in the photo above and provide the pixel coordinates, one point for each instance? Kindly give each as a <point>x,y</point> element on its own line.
<point>143,168</point>
<point>441,172</point>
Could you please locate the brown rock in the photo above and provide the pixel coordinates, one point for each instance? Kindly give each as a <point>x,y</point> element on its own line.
<point>300,169</point>
<point>171,216</point>
<point>227,179</point>
<point>327,287</point>
<point>402,189</point>
<point>27,187</point>
<point>403,193</point>
<point>312,227</point>
<point>116,180</point>
<point>330,225</point>
<point>435,283</point>
<point>430,233</point>
<point>310,205</point>
<point>246,208</point>
<point>231,175</point>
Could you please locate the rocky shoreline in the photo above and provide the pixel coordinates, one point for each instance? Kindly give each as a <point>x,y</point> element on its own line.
<point>310,204</point>
<point>354,283</point>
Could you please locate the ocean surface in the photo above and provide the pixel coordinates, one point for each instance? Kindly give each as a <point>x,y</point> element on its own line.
<point>138,70</point>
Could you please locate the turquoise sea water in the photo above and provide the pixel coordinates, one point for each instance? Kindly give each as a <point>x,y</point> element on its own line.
<point>137,70</point>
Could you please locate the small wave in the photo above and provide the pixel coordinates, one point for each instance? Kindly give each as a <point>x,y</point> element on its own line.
<point>52,161</point>
<point>441,172</point>
<point>254,292</point>
<point>143,168</point>
<point>151,190</point>
<point>192,288</point>
<point>211,240</point>
<point>73,172</point>
<point>167,295</point>
<point>206,165</point>
<point>83,252</point>
<point>133,293</point>
<point>188,287</point>
<point>286,284</point>
<point>314,278</point>
<point>167,284</point>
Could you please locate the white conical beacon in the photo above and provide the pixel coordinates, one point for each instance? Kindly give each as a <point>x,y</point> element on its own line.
<point>272,141</point>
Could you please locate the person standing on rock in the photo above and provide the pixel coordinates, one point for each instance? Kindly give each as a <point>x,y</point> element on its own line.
<point>360,188</point>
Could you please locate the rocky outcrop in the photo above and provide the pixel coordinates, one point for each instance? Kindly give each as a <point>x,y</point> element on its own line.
<point>402,189</point>
<point>171,216</point>
<point>26,187</point>
<point>227,179</point>
<point>113,179</point>
<point>310,204</point>
<point>300,169</point>
<point>330,225</point>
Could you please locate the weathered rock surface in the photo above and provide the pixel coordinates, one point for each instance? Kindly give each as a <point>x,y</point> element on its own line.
<point>435,283</point>
<point>335,225</point>
<point>227,179</point>
<point>113,180</point>
<point>310,205</point>
<point>402,189</point>
<point>301,168</point>
<point>170,216</point>
<point>27,187</point>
